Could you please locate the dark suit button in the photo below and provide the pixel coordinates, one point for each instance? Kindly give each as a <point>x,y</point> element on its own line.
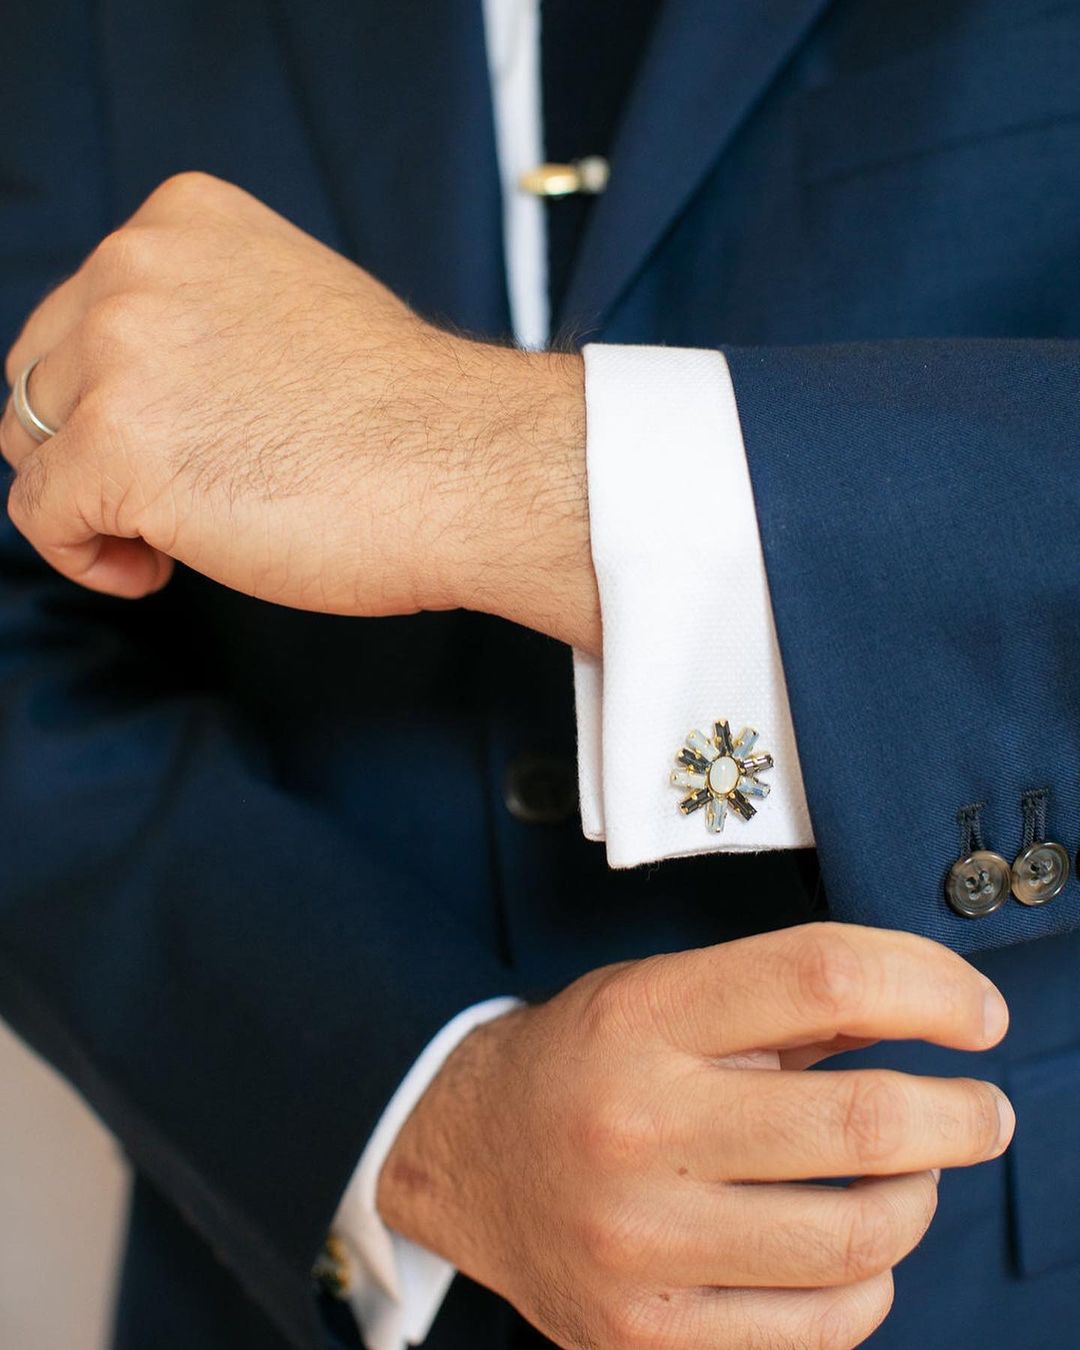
<point>1040,873</point>
<point>978,884</point>
<point>541,789</point>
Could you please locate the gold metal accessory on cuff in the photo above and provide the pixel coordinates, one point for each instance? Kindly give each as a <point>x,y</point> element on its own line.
<point>587,177</point>
<point>332,1271</point>
<point>720,774</point>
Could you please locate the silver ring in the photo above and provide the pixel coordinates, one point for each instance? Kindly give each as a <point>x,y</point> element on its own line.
<point>30,422</point>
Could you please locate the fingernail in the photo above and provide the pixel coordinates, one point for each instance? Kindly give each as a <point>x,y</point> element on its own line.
<point>995,1016</point>
<point>935,1172</point>
<point>1006,1120</point>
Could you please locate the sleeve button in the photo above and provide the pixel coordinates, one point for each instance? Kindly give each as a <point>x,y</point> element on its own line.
<point>1040,873</point>
<point>541,789</point>
<point>978,884</point>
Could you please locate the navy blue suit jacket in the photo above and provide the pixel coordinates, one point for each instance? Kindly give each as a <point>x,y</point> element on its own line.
<point>233,906</point>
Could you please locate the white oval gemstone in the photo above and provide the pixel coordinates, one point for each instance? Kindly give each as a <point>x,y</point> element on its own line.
<point>723,775</point>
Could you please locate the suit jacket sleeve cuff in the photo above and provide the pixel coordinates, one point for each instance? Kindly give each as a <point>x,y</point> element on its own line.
<point>396,1287</point>
<point>688,632</point>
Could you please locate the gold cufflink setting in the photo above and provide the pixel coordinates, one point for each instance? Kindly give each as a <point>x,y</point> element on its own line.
<point>980,881</point>
<point>333,1269</point>
<point>720,774</point>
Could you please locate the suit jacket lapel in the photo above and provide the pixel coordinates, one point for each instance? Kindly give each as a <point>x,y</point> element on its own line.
<point>397,98</point>
<point>706,66</point>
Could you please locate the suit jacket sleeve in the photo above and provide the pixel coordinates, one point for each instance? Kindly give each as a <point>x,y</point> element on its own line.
<point>919,505</point>
<point>233,985</point>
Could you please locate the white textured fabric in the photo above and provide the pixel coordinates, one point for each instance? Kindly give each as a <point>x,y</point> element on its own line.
<point>688,632</point>
<point>399,1287</point>
<point>589,705</point>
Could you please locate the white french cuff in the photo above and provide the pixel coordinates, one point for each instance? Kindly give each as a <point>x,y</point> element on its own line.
<point>688,630</point>
<point>395,1287</point>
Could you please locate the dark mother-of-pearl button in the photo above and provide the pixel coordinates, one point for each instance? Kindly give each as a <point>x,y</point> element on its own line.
<point>978,884</point>
<point>1040,873</point>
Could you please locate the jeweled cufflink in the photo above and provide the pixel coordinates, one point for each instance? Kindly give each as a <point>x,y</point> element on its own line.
<point>721,774</point>
<point>332,1271</point>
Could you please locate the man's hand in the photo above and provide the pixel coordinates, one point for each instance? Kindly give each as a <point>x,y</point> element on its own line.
<point>234,395</point>
<point>619,1162</point>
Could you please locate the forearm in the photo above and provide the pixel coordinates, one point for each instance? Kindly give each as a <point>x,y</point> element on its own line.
<point>431,1189</point>
<point>522,549</point>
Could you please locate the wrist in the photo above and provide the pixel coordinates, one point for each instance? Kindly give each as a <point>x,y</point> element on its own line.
<point>521,543</point>
<point>438,1186</point>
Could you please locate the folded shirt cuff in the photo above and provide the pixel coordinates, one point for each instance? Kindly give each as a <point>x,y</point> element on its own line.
<point>688,631</point>
<point>397,1287</point>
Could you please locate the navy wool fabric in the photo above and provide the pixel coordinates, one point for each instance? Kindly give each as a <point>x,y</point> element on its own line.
<point>232,910</point>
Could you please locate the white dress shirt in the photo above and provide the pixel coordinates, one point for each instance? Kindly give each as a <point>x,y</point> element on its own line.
<point>688,638</point>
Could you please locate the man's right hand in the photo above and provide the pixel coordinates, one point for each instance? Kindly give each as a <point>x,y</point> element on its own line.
<point>619,1163</point>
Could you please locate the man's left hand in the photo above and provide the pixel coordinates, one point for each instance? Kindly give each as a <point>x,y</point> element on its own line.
<point>234,395</point>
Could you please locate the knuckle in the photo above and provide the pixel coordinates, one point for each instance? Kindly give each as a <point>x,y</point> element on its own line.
<point>983,1123</point>
<point>604,1007</point>
<point>27,491</point>
<point>113,323</point>
<point>846,1320</point>
<point>612,1241</point>
<point>191,186</point>
<point>613,1005</point>
<point>600,1138</point>
<point>616,1135</point>
<point>880,1302</point>
<point>833,1328</point>
<point>659,1002</point>
<point>637,1324</point>
<point>642,1000</point>
<point>875,1119</point>
<point>97,430</point>
<point>622,1144</point>
<point>97,414</point>
<point>112,252</point>
<point>829,973</point>
<point>928,1211</point>
<point>953,994</point>
<point>604,1244</point>
<point>130,251</point>
<point>870,1239</point>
